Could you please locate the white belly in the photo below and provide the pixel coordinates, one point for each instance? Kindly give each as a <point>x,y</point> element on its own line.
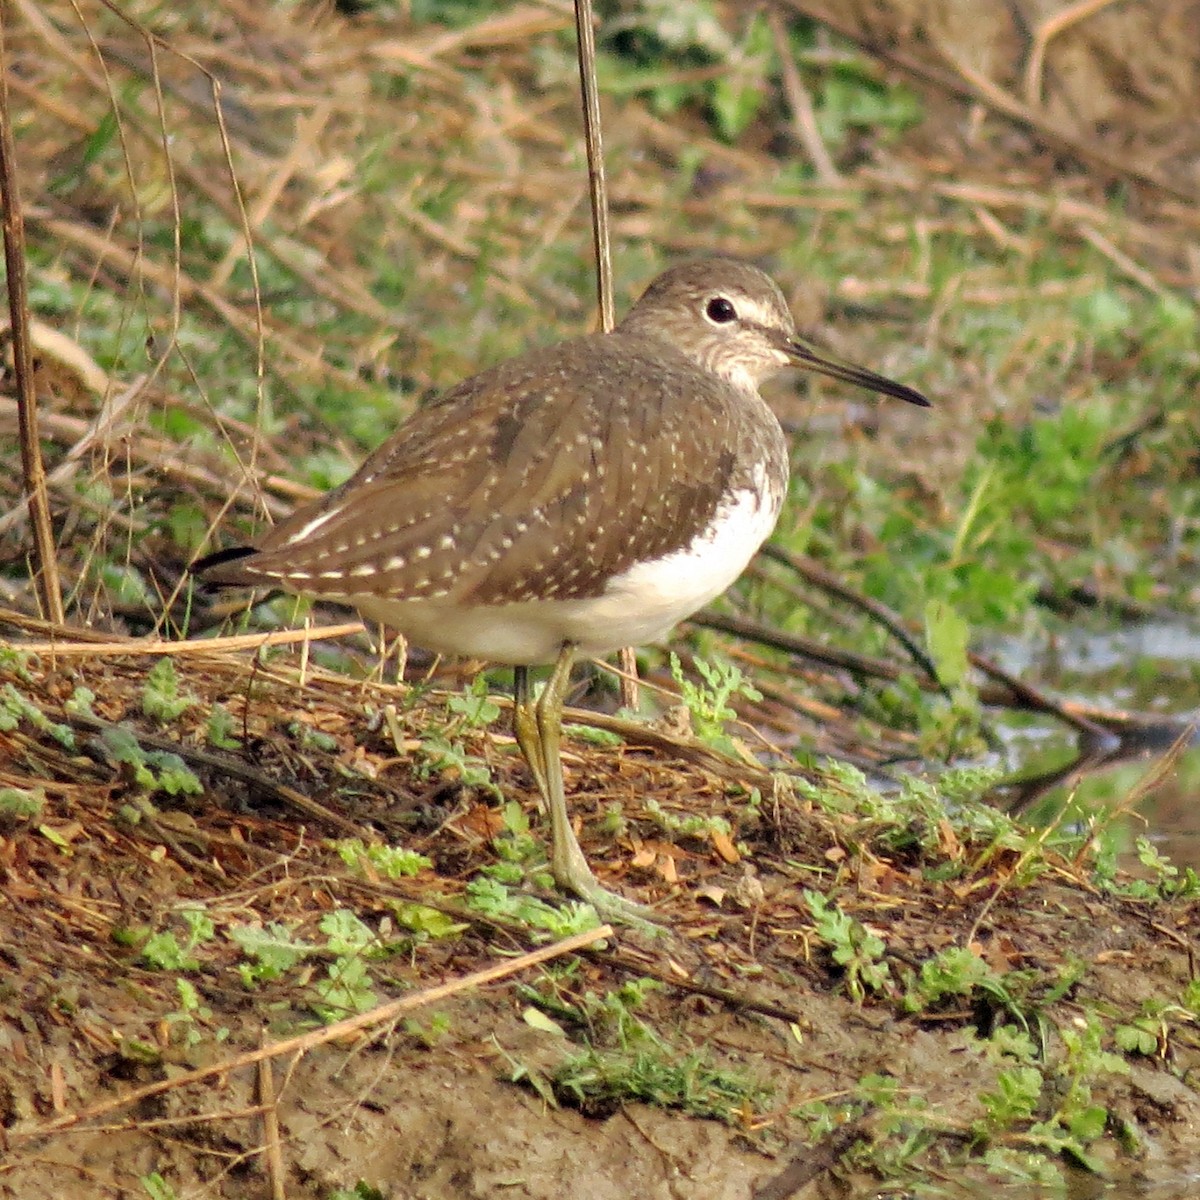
<point>638,606</point>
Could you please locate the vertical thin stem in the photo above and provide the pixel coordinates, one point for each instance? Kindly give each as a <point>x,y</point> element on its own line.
<point>32,468</point>
<point>598,189</point>
<point>597,183</point>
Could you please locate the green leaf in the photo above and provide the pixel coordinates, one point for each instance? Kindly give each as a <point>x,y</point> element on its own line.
<point>162,952</point>
<point>220,727</point>
<point>1088,1124</point>
<point>161,697</point>
<point>347,934</point>
<point>19,804</point>
<point>536,1019</point>
<point>174,776</point>
<point>947,636</point>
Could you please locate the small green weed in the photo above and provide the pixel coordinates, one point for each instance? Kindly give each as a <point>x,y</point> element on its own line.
<point>687,825</point>
<point>271,949</point>
<point>186,1020</point>
<point>219,728</point>
<point>360,1191</point>
<point>431,1032</point>
<point>708,703</point>
<point>425,923</point>
<point>164,952</point>
<point>519,852</point>
<point>474,708</point>
<point>311,738</point>
<point>441,746</point>
<point>957,973</point>
<point>592,736</point>
<point>157,1188</point>
<point>80,702</point>
<point>598,1081</point>
<point>610,1017</point>
<point>392,862</point>
<point>1015,1099</point>
<point>346,988</point>
<point>162,699</point>
<point>492,898</point>
<point>1167,881</point>
<point>851,945</point>
<point>441,753</point>
<point>151,770</point>
<point>18,805</point>
<point>16,707</point>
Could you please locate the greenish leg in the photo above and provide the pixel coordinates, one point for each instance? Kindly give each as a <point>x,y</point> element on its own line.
<point>525,729</point>
<point>567,862</point>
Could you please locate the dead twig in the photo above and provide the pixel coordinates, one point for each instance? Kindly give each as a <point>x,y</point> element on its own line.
<point>272,1145</point>
<point>32,469</point>
<point>84,648</point>
<point>1046,32</point>
<point>598,191</point>
<point>821,577</point>
<point>804,116</point>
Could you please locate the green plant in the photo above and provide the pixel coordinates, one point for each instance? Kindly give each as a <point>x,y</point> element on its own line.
<point>219,728</point>
<point>20,804</point>
<point>191,1012</point>
<point>1015,1098</point>
<point>598,1081</point>
<point>151,770</point>
<point>425,923</point>
<point>163,951</point>
<point>441,753</point>
<point>79,703</point>
<point>708,703</point>
<point>271,949</point>
<point>956,972</point>
<point>15,707</point>
<point>347,986</point>
<point>851,945</point>
<point>162,699</point>
<point>687,825</point>
<point>610,1017</point>
<point>392,862</point>
<point>431,1032</point>
<point>360,1191</point>
<point>474,708</point>
<point>492,898</point>
<point>157,1188</point>
<point>312,738</point>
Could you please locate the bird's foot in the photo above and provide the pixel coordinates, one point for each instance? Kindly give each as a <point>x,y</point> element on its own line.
<point>576,877</point>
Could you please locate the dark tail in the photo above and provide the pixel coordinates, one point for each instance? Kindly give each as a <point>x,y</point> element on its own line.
<point>210,566</point>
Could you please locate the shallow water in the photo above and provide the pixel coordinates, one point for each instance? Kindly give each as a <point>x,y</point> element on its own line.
<point>1152,669</point>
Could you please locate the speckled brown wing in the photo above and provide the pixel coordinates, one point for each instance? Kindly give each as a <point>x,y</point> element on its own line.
<point>540,478</point>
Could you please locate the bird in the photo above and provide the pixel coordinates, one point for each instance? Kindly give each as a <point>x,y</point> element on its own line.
<point>569,501</point>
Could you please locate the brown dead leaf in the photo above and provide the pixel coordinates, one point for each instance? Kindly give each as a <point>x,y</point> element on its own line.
<point>723,845</point>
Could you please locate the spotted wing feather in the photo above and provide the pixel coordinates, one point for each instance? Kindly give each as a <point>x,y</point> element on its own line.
<point>539,478</point>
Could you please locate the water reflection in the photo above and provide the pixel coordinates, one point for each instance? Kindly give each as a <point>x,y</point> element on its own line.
<point>1152,670</point>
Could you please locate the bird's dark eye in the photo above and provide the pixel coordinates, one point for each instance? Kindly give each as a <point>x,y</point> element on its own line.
<point>720,311</point>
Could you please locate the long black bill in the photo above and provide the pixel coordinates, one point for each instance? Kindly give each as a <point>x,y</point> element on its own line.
<point>809,357</point>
